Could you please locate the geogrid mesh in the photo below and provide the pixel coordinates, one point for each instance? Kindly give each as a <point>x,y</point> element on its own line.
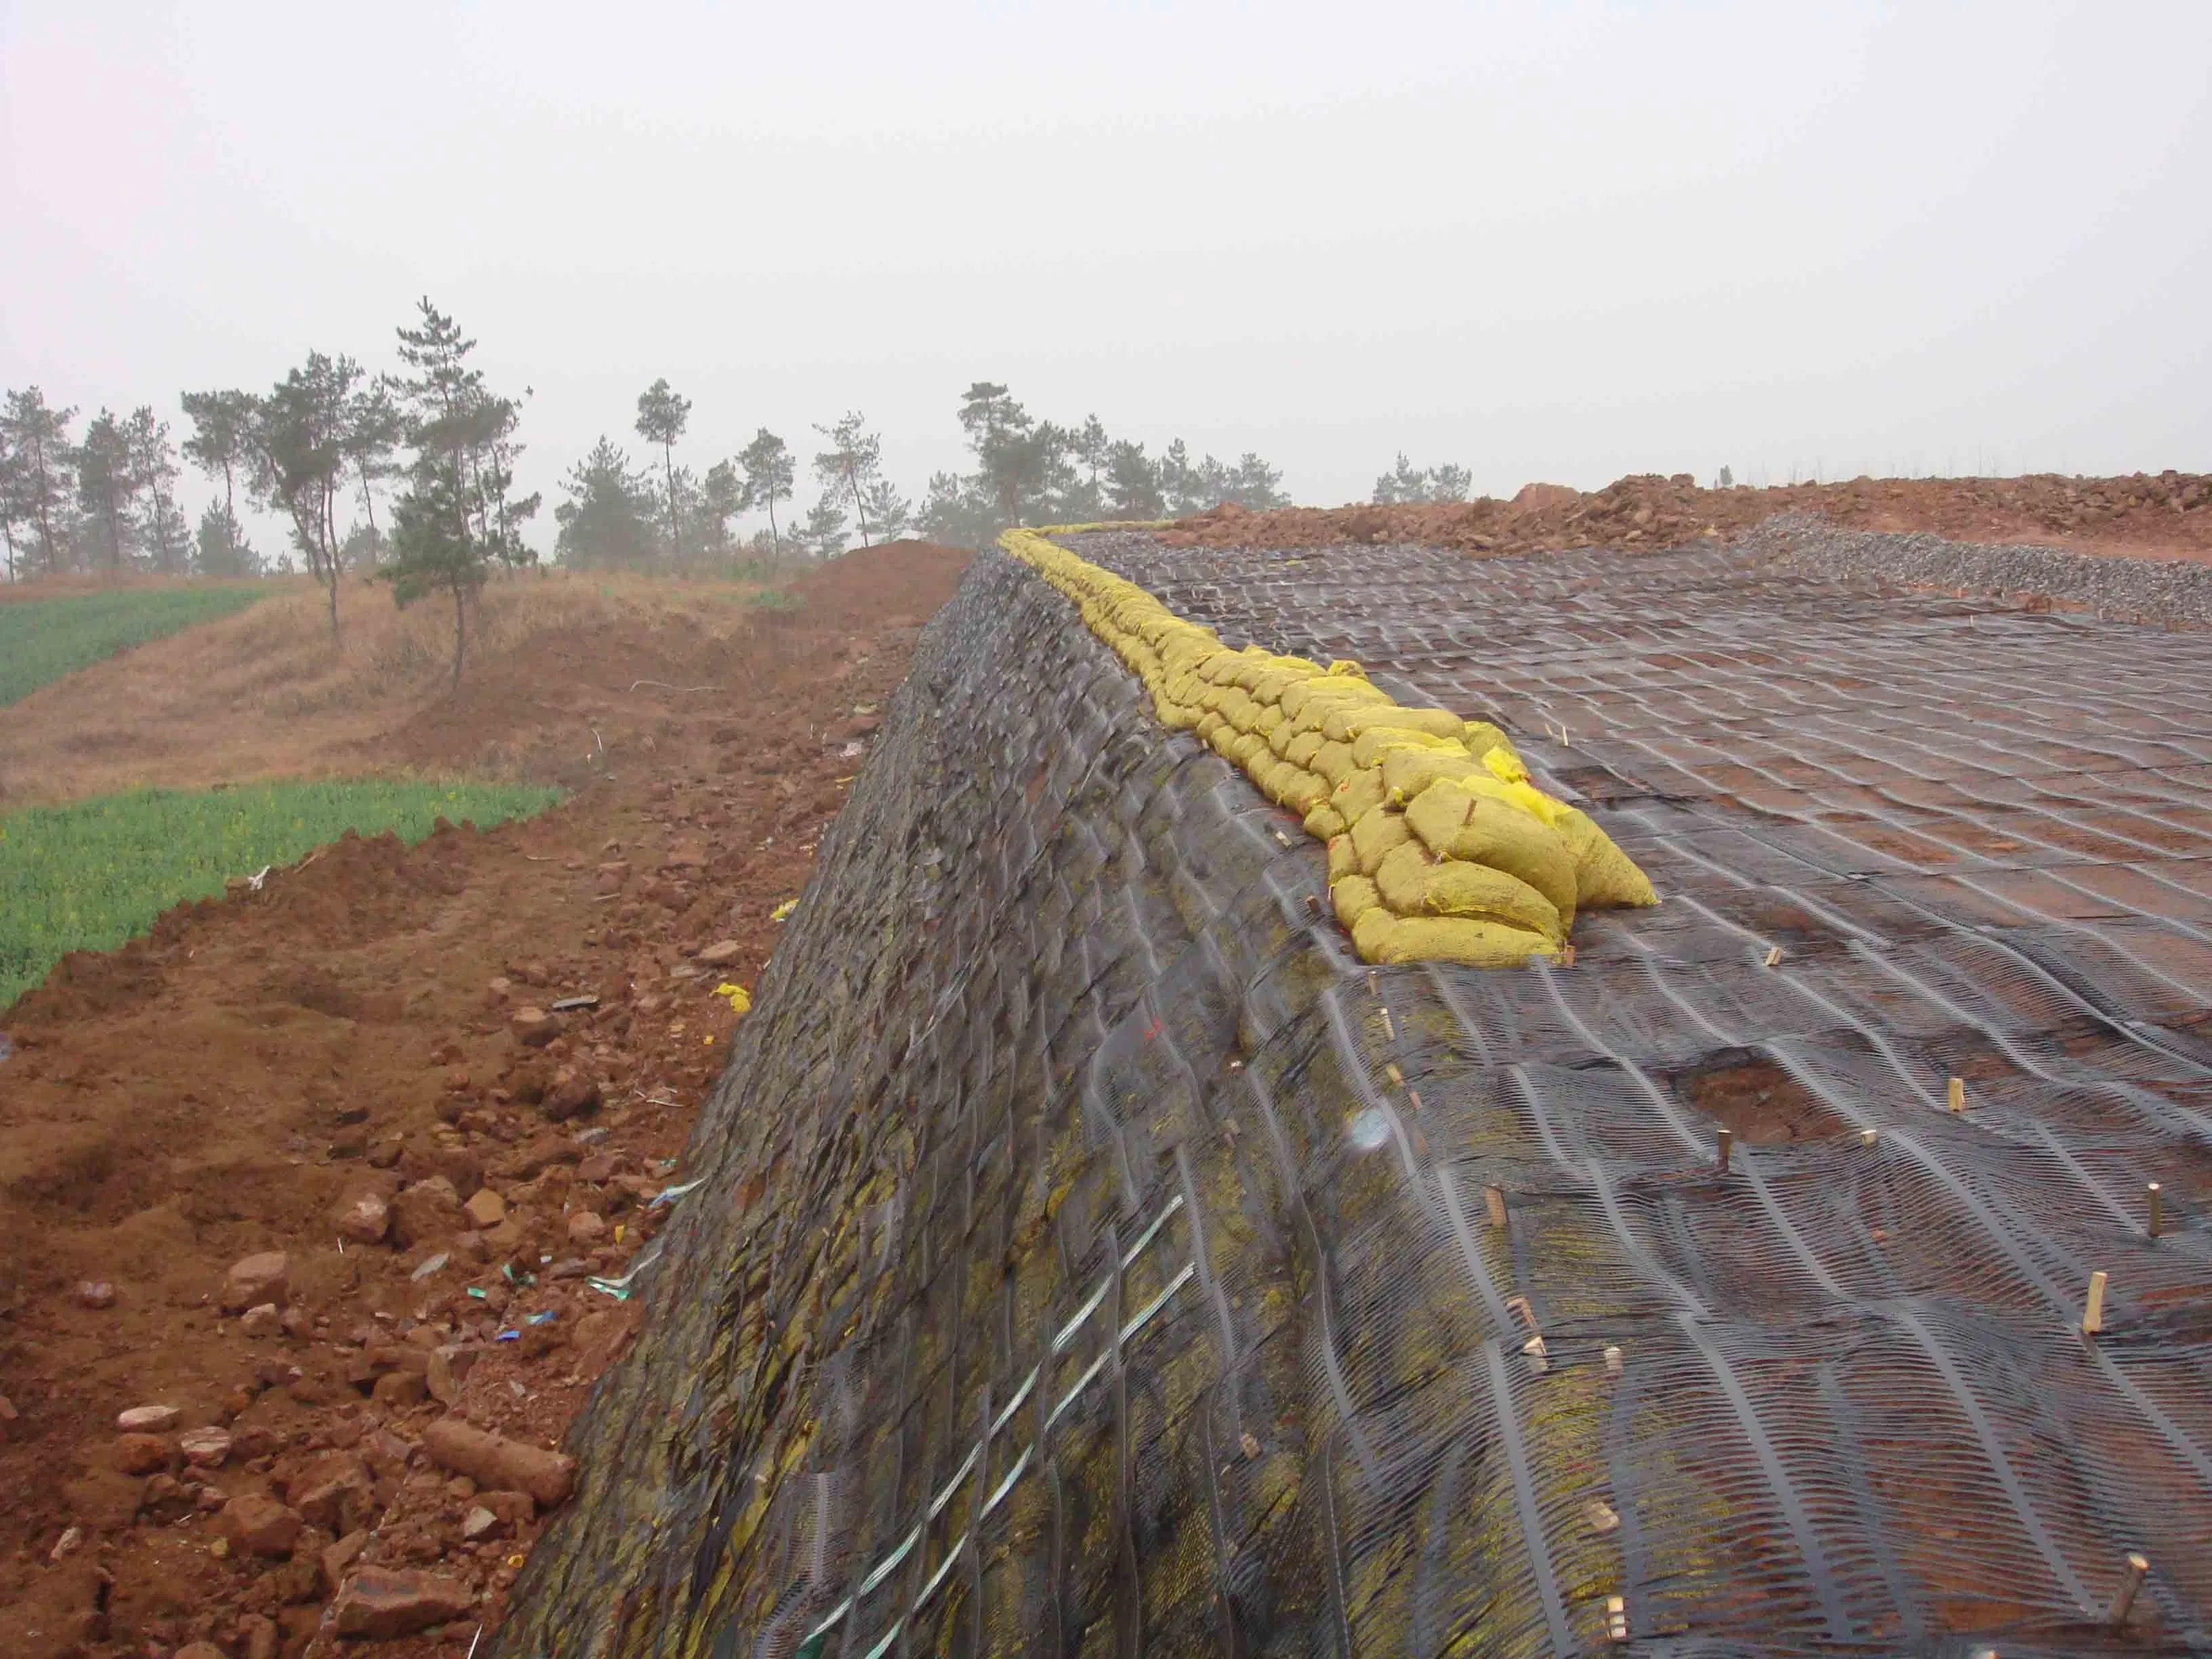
<point>1094,1257</point>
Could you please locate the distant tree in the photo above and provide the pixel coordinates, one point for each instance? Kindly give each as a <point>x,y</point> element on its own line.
<point>154,466</point>
<point>890,510</point>
<point>375,428</point>
<point>770,474</point>
<point>1406,482</point>
<point>107,485</point>
<point>1094,452</point>
<point>721,498</point>
<point>608,517</point>
<point>10,487</point>
<point>1726,481</point>
<point>1181,486</point>
<point>38,437</point>
<point>458,425</point>
<point>850,467</point>
<point>822,535</point>
<point>435,547</point>
<point>223,445</point>
<point>661,418</point>
<point>956,511</point>
<point>1132,483</point>
<point>301,433</point>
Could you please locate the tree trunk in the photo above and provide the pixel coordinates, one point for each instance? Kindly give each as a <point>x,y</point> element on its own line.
<point>860,506</point>
<point>775,539</point>
<point>369,506</point>
<point>8,535</point>
<point>675,532</point>
<point>461,630</point>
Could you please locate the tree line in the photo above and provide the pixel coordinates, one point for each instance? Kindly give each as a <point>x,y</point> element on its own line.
<point>326,447</point>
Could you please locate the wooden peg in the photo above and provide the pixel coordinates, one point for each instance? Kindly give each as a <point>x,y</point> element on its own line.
<point>1613,1363</point>
<point>1599,1518</point>
<point>2092,1310</point>
<point>1773,955</point>
<point>1313,904</point>
<point>1374,983</point>
<point>1283,838</point>
<point>1413,1098</point>
<point>1867,1137</point>
<point>1495,1202</point>
<point>1389,1025</point>
<point>2132,1572</point>
<point>1616,1619</point>
<point>2157,1194</point>
<point>1397,1077</point>
<point>1727,1139</point>
<point>1958,1094</point>
<point>1567,956</point>
<point>1517,1305</point>
<point>1540,1359</point>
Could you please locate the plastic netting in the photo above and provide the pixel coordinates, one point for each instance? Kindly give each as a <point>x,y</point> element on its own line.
<point>1094,1257</point>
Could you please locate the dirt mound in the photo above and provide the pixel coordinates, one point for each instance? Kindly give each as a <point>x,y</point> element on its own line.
<point>330,1068</point>
<point>2167,515</point>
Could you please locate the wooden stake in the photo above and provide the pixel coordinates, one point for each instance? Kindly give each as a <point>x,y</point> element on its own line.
<point>1496,1202</point>
<point>2156,1194</point>
<point>1867,1136</point>
<point>1611,1360</point>
<point>1773,955</point>
<point>1958,1093</point>
<point>1538,1356</point>
<point>1616,1619</point>
<point>1389,1026</point>
<point>2092,1311</point>
<point>1727,1141</point>
<point>2131,1578</point>
<point>1567,956</point>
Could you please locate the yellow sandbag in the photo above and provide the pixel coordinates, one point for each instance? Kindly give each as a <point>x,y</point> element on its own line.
<point>1356,792</point>
<point>1376,833</point>
<point>1381,937</point>
<point>1307,791</point>
<point>1481,735</point>
<point>1334,761</point>
<point>1377,741</point>
<point>1350,689</point>
<point>1407,772</point>
<point>1412,885</point>
<point>1505,763</point>
<point>1302,747</point>
<point>1342,859</point>
<point>1603,873</point>
<point>1455,822</point>
<point>1324,822</point>
<point>1437,722</point>
<point>1354,896</point>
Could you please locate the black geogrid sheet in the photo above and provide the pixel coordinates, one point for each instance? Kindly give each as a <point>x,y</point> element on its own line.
<point>1095,1257</point>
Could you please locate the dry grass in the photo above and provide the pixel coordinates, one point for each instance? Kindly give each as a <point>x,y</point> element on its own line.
<point>264,694</point>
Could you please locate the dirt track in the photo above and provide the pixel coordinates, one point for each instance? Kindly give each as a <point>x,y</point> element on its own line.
<point>222,1088</point>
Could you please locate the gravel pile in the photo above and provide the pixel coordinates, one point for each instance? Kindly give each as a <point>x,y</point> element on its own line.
<point>2156,590</point>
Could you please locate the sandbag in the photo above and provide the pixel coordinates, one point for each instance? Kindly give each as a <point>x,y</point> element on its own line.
<point>1381,937</point>
<point>1376,833</point>
<point>1412,884</point>
<point>1457,822</point>
<point>1354,896</point>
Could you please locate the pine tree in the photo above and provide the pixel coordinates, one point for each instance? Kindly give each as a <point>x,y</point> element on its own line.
<point>154,466</point>
<point>823,533</point>
<point>892,516</point>
<point>850,466</point>
<point>434,548</point>
<point>38,437</point>
<point>375,428</point>
<point>661,418</point>
<point>106,486</point>
<point>301,434</point>
<point>608,517</point>
<point>770,474</point>
<point>223,445</point>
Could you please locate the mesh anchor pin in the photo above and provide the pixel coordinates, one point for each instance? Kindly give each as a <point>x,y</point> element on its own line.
<point>1957,1094</point>
<point>2132,1572</point>
<point>1773,955</point>
<point>2092,1310</point>
<point>2157,1194</point>
<point>1726,1144</point>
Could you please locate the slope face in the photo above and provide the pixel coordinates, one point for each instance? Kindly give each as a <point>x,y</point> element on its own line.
<point>1093,1254</point>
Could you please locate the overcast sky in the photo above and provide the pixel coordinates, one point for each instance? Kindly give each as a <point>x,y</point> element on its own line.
<point>1559,241</point>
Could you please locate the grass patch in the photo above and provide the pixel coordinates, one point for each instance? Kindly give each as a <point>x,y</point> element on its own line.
<point>89,876</point>
<point>42,640</point>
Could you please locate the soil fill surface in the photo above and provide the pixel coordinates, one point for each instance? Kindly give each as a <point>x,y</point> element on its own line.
<point>446,1084</point>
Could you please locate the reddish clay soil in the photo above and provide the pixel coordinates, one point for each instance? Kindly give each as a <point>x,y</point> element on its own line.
<point>364,1043</point>
<point>2165,516</point>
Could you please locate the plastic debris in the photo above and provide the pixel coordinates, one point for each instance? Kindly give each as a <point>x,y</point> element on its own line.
<point>430,1266</point>
<point>670,1194</point>
<point>783,909</point>
<point>571,1005</point>
<point>508,1336</point>
<point>740,999</point>
<point>480,1294</point>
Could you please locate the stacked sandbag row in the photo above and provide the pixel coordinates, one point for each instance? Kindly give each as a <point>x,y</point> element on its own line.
<point>1439,847</point>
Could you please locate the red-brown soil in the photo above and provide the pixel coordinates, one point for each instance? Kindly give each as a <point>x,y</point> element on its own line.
<point>226,1086</point>
<point>2168,515</point>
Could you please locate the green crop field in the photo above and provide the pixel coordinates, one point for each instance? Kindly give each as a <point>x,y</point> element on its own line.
<point>91,875</point>
<point>42,640</point>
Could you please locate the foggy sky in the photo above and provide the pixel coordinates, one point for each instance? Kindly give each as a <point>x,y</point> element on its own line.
<point>1563,241</point>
